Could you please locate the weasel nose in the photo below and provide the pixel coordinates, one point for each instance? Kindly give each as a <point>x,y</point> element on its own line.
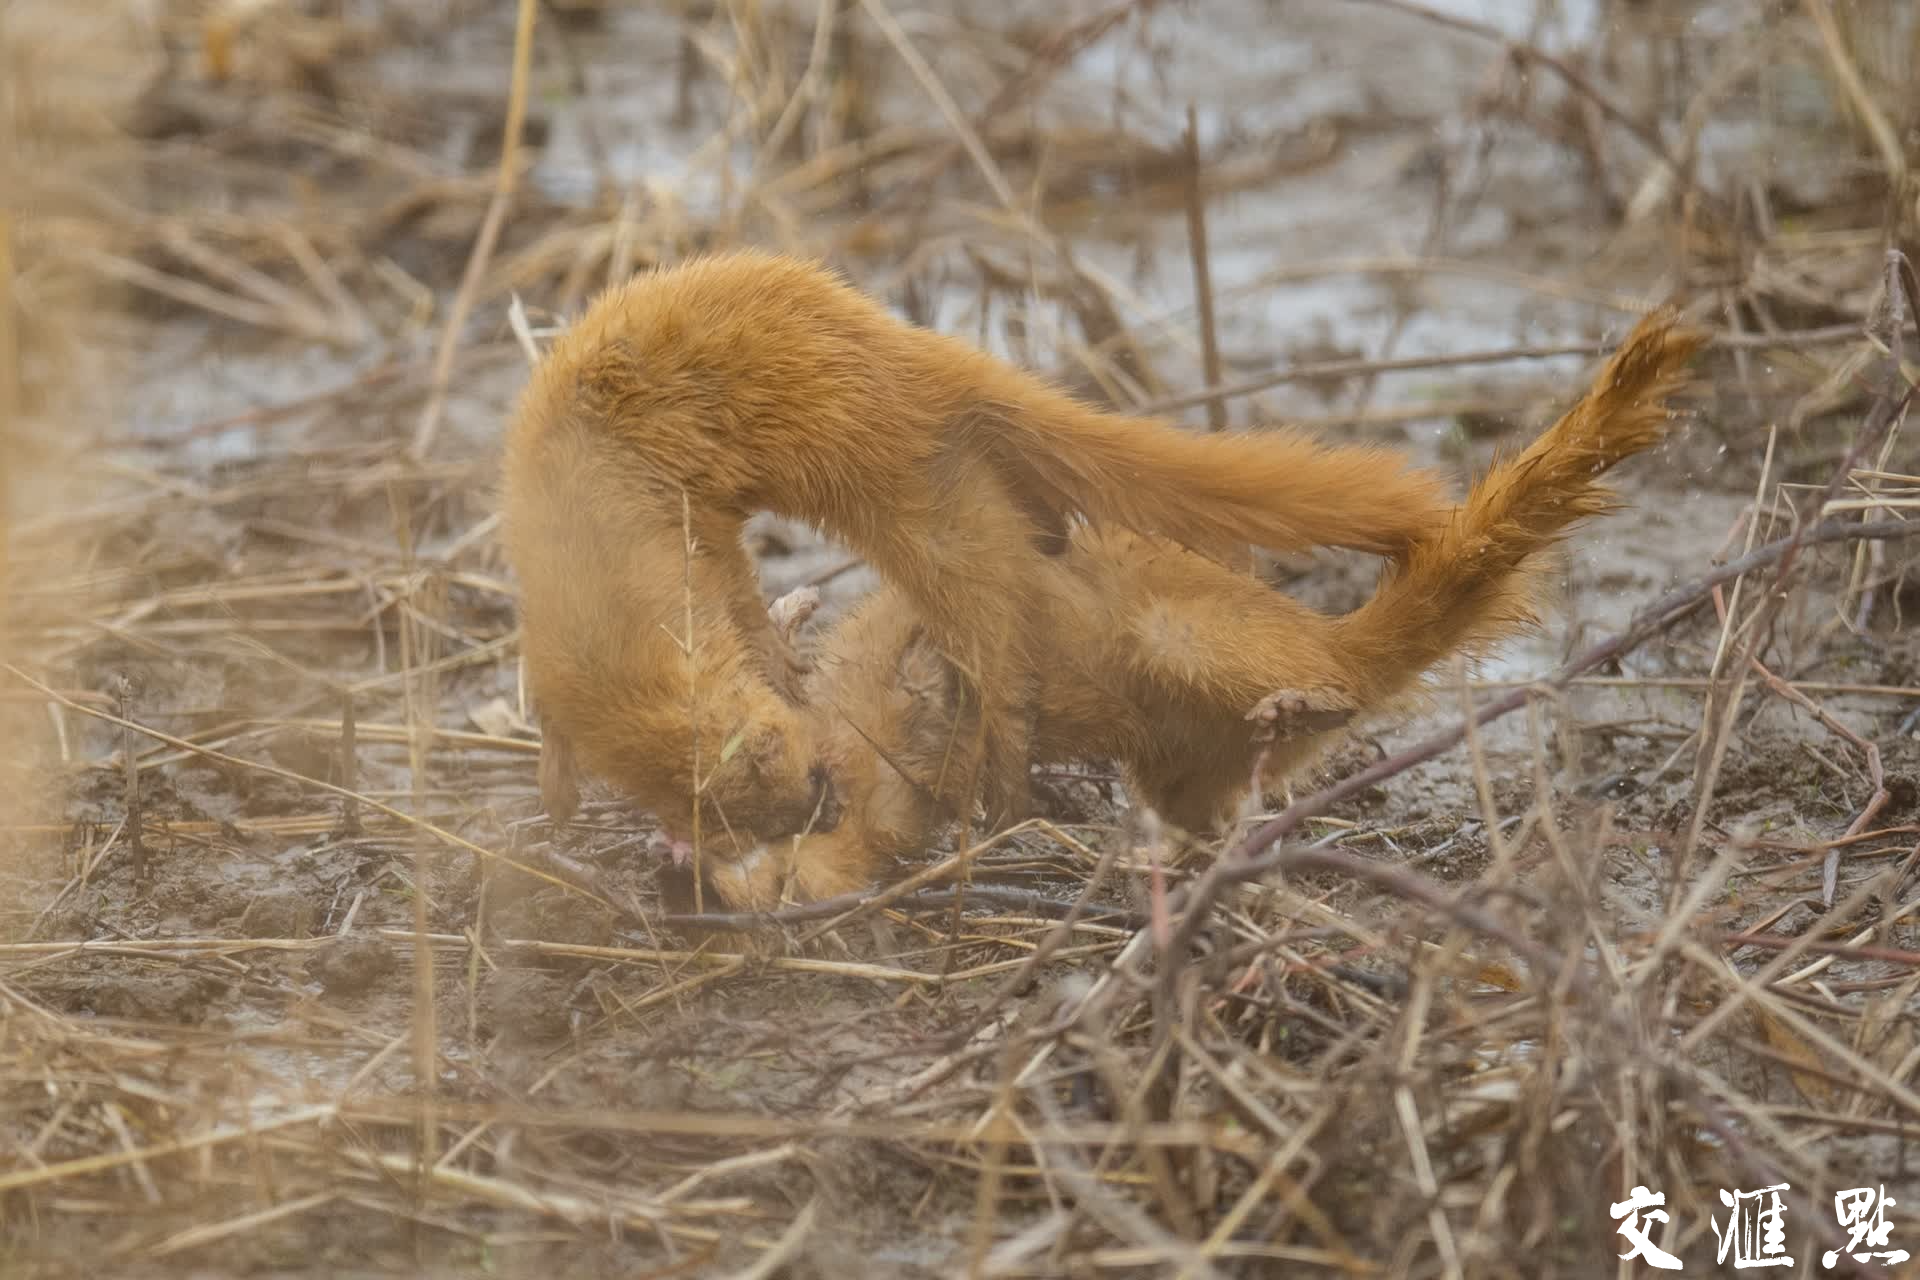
<point>826,801</point>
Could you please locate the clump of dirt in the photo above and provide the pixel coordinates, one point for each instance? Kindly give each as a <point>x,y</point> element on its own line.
<point>352,965</point>
<point>186,997</point>
<point>528,909</point>
<point>527,1003</point>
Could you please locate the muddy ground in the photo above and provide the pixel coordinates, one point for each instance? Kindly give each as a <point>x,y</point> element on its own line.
<point>208,978</point>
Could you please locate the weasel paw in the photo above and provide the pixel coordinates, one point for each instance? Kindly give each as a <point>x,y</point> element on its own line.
<point>1292,713</point>
<point>791,611</point>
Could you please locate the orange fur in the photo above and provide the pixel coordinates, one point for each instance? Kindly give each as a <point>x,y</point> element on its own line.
<point>748,382</point>
<point>1157,655</point>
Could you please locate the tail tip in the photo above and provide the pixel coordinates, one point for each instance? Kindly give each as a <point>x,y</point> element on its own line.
<point>1659,344</point>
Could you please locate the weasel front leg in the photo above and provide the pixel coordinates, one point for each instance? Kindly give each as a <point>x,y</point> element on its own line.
<point>991,749</point>
<point>791,612</point>
<point>785,664</point>
<point>725,565</point>
<point>1006,776</point>
<point>779,647</point>
<point>559,785</point>
<point>974,581</point>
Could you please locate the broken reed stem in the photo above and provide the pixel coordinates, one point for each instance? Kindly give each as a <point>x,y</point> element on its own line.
<point>1902,299</point>
<point>1056,52</point>
<point>506,179</point>
<point>686,70</point>
<point>1876,775</point>
<point>349,767</point>
<point>963,130</point>
<point>1885,138</point>
<point>1202,270</point>
<point>9,361</point>
<point>1718,664</point>
<point>130,764</point>
<point>1322,370</point>
<point>423,1021</point>
<point>1066,915</point>
<point>693,695</point>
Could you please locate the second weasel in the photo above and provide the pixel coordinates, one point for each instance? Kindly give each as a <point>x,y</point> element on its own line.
<point>1158,657</point>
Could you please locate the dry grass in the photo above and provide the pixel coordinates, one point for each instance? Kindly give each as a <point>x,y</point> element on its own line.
<point>293,977</point>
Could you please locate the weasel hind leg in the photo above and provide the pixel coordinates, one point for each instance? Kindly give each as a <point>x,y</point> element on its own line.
<point>559,783</point>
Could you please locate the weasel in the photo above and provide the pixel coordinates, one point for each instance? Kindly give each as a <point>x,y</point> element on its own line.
<point>687,398</point>
<point>1157,657</point>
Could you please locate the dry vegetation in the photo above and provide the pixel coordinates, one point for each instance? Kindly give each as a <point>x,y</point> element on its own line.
<point>294,977</point>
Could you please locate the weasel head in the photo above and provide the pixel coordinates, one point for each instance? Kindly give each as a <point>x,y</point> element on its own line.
<point>770,874</point>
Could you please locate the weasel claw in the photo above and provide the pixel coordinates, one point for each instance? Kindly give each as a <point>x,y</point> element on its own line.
<point>1291,713</point>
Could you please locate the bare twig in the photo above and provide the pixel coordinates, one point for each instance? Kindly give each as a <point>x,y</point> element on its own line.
<point>1202,270</point>
<point>506,179</point>
<point>1327,370</point>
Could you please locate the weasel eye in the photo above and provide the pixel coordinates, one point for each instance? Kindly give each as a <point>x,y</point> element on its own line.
<point>825,800</point>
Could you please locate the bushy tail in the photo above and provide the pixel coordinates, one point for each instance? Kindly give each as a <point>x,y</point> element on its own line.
<point>1475,582</point>
<point>1275,489</point>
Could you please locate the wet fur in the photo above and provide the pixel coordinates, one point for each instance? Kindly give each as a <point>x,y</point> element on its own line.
<point>1156,656</point>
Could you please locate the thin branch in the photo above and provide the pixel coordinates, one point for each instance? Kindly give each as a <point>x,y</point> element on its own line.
<point>505,180</point>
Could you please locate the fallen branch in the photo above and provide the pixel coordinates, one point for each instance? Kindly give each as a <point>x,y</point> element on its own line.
<point>924,900</point>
